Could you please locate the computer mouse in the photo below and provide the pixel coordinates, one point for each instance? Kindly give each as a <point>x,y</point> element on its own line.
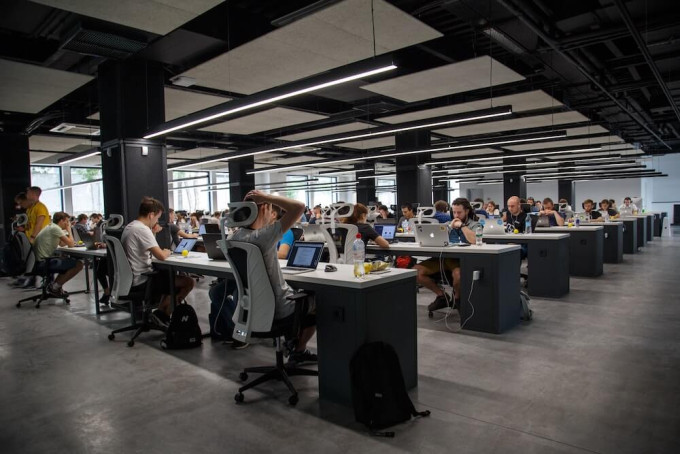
<point>330,268</point>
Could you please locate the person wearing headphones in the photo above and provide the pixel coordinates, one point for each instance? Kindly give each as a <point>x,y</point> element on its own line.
<point>589,208</point>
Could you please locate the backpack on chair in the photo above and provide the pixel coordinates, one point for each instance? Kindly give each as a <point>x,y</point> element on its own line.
<point>378,390</point>
<point>183,331</point>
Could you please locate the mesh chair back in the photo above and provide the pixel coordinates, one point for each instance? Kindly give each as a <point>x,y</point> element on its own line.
<point>344,236</point>
<point>321,233</point>
<point>122,274</point>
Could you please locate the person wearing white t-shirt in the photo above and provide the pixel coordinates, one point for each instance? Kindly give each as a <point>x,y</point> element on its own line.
<point>139,243</point>
<point>628,206</point>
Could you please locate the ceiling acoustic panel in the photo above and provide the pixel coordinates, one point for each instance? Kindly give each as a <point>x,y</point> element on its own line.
<point>54,143</point>
<point>198,153</point>
<point>520,102</point>
<point>461,153</point>
<point>514,124</point>
<point>155,16</point>
<point>335,36</point>
<point>354,126</point>
<point>586,142</point>
<point>267,120</point>
<point>29,88</point>
<point>468,75</point>
<point>37,156</point>
<point>370,143</point>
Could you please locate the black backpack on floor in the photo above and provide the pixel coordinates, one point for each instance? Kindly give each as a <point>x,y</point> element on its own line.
<point>183,331</point>
<point>378,390</point>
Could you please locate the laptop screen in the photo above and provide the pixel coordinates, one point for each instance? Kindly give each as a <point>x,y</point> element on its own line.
<point>186,243</point>
<point>201,229</point>
<point>305,254</point>
<point>386,231</point>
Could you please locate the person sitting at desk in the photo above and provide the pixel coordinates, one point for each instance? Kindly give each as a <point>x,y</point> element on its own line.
<point>384,212</point>
<point>175,232</point>
<point>58,233</point>
<point>515,218</point>
<point>194,221</point>
<point>548,211</point>
<point>316,214</point>
<point>284,246</point>
<point>606,208</point>
<point>441,212</point>
<point>358,218</point>
<point>139,244</point>
<point>492,208</point>
<point>612,206</point>
<point>406,213</point>
<point>265,234</point>
<point>462,231</point>
<point>81,226</point>
<point>589,209</point>
<point>478,205</point>
<point>532,203</point>
<point>628,206</point>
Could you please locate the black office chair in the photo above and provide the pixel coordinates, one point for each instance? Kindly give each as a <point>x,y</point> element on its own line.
<point>297,233</point>
<point>254,316</point>
<point>43,270</point>
<point>136,302</point>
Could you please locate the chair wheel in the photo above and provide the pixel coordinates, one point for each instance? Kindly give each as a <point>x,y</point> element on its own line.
<point>37,305</point>
<point>131,343</point>
<point>112,336</point>
<point>18,304</point>
<point>243,376</point>
<point>293,400</point>
<point>430,314</point>
<point>67,301</point>
<point>238,398</point>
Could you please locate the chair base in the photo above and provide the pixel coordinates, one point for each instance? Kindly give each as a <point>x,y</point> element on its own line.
<point>140,327</point>
<point>280,372</point>
<point>43,296</point>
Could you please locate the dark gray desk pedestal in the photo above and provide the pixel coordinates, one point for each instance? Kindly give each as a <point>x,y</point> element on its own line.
<point>642,232</point>
<point>630,241</point>
<point>658,224</point>
<point>613,243</point>
<point>586,245</point>
<point>346,318</point>
<point>650,227</point>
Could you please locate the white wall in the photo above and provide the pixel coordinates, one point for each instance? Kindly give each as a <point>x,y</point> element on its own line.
<point>540,191</point>
<point>660,194</point>
<point>494,192</point>
<point>606,189</point>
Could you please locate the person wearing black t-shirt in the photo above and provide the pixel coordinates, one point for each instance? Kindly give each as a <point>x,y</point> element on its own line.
<point>175,231</point>
<point>367,232</point>
<point>589,208</point>
<point>515,217</point>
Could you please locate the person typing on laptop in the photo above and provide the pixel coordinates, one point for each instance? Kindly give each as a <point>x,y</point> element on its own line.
<point>266,233</point>
<point>462,231</point>
<point>358,218</point>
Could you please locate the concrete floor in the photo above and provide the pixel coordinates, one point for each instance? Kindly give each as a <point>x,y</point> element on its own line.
<point>596,371</point>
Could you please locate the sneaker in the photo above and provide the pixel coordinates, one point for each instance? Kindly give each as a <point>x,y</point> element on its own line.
<point>440,303</point>
<point>28,283</point>
<point>296,358</point>
<point>56,293</point>
<point>104,300</point>
<point>159,318</point>
<point>238,345</point>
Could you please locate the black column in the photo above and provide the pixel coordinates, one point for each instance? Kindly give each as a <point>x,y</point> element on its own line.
<point>441,193</point>
<point>414,180</point>
<point>366,186</point>
<point>131,102</point>
<point>565,190</point>
<point>15,176</point>
<point>514,184</point>
<point>240,183</point>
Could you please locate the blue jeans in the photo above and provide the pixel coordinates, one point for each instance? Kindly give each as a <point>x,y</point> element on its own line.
<point>219,299</point>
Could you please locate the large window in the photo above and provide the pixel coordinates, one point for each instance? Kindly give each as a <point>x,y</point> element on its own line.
<point>297,194</point>
<point>454,190</point>
<point>47,177</point>
<point>325,196</point>
<point>222,192</point>
<point>87,198</point>
<point>184,193</point>
<point>385,191</point>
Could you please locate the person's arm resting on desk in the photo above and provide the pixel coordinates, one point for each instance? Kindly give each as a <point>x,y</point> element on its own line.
<point>67,240</point>
<point>465,230</point>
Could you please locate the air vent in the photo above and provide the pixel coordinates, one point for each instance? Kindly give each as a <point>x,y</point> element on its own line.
<point>101,44</point>
<point>76,130</point>
<point>381,107</point>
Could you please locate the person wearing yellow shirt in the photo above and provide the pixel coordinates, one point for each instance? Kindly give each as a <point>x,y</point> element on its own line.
<point>38,214</point>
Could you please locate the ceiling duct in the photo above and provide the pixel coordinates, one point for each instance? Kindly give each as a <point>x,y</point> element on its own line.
<point>74,129</point>
<point>101,44</point>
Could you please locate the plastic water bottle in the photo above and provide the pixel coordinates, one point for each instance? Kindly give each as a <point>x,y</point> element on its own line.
<point>479,234</point>
<point>358,256</point>
<point>578,222</point>
<point>527,224</point>
<point>404,226</point>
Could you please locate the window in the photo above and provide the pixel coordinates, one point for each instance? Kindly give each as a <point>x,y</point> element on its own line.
<point>87,198</point>
<point>185,195</point>
<point>386,196</point>
<point>297,194</point>
<point>326,196</point>
<point>454,190</point>
<point>47,177</point>
<point>222,192</point>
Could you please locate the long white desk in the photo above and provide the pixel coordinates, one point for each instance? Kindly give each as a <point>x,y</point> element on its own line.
<point>349,312</point>
<point>495,296</point>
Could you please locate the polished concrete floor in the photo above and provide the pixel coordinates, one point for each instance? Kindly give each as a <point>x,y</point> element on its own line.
<point>596,371</point>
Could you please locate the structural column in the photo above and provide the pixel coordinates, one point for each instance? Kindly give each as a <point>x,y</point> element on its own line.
<point>240,182</point>
<point>565,190</point>
<point>131,103</point>
<point>514,183</point>
<point>366,186</point>
<point>414,180</point>
<point>15,176</point>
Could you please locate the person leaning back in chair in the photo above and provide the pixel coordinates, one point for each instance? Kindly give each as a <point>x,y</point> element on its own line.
<point>266,233</point>
<point>462,231</point>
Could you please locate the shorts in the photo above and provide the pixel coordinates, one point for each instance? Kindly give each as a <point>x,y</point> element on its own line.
<point>432,266</point>
<point>58,264</point>
<point>160,285</point>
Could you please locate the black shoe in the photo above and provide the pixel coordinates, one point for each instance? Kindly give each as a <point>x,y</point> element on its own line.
<point>29,282</point>
<point>238,345</point>
<point>159,318</point>
<point>104,300</point>
<point>56,293</point>
<point>440,302</point>
<point>296,358</point>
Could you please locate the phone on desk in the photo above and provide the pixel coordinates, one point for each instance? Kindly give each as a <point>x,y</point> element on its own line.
<point>463,244</point>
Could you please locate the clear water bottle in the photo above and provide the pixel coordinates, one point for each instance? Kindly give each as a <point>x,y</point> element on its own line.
<point>479,234</point>
<point>404,226</point>
<point>358,256</point>
<point>578,222</point>
<point>527,224</point>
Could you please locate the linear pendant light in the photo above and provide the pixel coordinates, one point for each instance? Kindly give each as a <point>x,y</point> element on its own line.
<point>78,157</point>
<point>549,168</point>
<point>252,102</point>
<point>549,163</point>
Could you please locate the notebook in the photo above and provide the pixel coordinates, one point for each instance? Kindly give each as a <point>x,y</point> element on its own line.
<point>432,235</point>
<point>386,231</point>
<point>304,257</point>
<point>186,243</point>
<point>211,247</point>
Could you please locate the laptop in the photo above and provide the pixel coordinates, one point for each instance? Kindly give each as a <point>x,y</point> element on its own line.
<point>386,231</point>
<point>88,242</point>
<point>211,247</point>
<point>432,235</point>
<point>186,243</point>
<point>304,257</point>
<point>543,221</point>
<point>208,228</point>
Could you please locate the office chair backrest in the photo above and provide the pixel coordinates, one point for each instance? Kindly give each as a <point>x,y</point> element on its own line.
<point>321,233</point>
<point>76,235</point>
<point>372,212</point>
<point>122,274</point>
<point>27,256</point>
<point>297,233</point>
<point>346,234</point>
<point>256,303</point>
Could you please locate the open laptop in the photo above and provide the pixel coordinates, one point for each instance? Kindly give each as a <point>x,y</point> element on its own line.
<point>208,228</point>
<point>386,231</point>
<point>186,243</point>
<point>88,242</point>
<point>211,247</point>
<point>432,235</point>
<point>304,257</point>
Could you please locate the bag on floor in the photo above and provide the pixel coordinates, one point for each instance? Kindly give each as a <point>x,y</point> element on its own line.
<point>183,331</point>
<point>378,390</point>
<point>525,312</point>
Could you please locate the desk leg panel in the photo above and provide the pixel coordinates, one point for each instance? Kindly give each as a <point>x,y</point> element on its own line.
<point>630,244</point>
<point>613,243</point>
<point>548,263</point>
<point>586,251</point>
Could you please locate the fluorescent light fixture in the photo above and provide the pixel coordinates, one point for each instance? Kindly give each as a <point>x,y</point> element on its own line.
<point>344,172</point>
<point>505,41</point>
<point>270,100</point>
<point>379,175</point>
<point>582,172</point>
<point>61,188</point>
<point>192,164</point>
<point>78,157</point>
<point>546,169</point>
<point>550,163</point>
<point>527,155</point>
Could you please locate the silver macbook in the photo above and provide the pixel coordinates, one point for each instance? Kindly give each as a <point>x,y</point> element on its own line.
<point>432,235</point>
<point>303,258</point>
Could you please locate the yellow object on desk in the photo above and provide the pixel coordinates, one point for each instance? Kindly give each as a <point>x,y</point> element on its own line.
<point>367,267</point>
<point>185,253</point>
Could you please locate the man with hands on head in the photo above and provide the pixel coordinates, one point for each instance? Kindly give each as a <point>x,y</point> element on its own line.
<point>553,216</point>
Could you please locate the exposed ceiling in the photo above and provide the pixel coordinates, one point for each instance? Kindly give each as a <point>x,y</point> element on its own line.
<point>606,72</point>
